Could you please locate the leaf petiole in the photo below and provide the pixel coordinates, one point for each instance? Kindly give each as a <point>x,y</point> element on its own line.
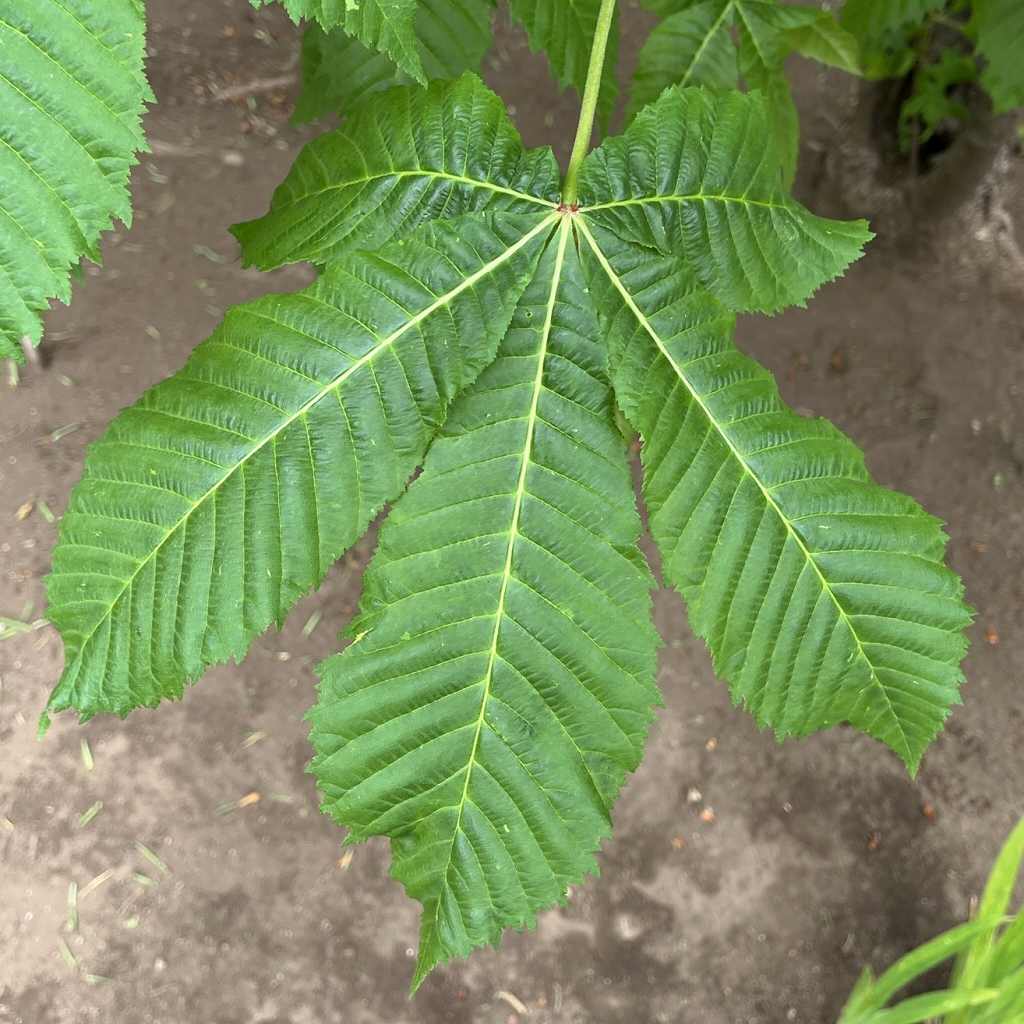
<point>588,105</point>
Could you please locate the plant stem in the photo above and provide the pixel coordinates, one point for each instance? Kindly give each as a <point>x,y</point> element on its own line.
<point>589,104</point>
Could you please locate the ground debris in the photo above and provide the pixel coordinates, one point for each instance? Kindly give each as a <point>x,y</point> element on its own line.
<point>152,857</point>
<point>514,1001</point>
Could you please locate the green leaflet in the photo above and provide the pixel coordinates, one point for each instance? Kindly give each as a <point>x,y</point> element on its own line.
<point>695,45</point>
<point>691,47</point>
<point>72,92</point>
<point>762,51</point>
<point>564,31</point>
<point>501,683</point>
<point>999,25</point>
<point>226,492</point>
<point>698,175</point>
<point>385,26</point>
<point>822,596</point>
<point>872,20</point>
<point>338,71</point>
<point>818,36</point>
<point>413,156</point>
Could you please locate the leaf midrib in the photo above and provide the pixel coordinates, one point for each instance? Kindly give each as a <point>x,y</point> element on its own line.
<point>383,345</point>
<point>513,532</point>
<point>706,41</point>
<point>693,197</point>
<point>649,327</point>
<point>422,173</point>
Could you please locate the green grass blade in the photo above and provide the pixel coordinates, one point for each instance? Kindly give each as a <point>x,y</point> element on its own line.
<point>918,1009</point>
<point>970,972</point>
<point>923,959</point>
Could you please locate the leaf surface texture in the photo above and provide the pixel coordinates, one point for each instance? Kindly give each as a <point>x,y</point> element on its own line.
<point>72,92</point>
<point>698,174</point>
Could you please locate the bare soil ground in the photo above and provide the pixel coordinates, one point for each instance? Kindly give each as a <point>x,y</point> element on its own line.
<point>819,857</point>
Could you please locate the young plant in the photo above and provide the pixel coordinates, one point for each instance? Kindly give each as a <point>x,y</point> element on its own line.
<point>479,317</point>
<point>943,45</point>
<point>987,979</point>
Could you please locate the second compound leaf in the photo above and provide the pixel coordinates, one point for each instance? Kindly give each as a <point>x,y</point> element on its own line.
<point>691,47</point>
<point>386,26</point>
<point>564,31</point>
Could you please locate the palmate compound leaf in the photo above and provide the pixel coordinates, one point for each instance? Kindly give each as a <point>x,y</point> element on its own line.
<point>698,175</point>
<point>411,156</point>
<point>72,93</point>
<point>500,684</point>
<point>502,680</point>
<point>822,596</point>
<point>338,71</point>
<point>226,492</point>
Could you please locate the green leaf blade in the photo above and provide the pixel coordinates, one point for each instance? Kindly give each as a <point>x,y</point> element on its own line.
<point>718,199</point>
<point>384,26</point>
<point>73,93</point>
<point>822,596</point>
<point>227,491</point>
<point>691,47</point>
<point>999,25</point>
<point>404,158</point>
<point>338,72</point>
<point>501,682</point>
<point>872,20</point>
<point>817,35</point>
<point>564,31</point>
